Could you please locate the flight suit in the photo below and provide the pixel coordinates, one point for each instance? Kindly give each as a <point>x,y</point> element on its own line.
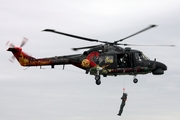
<point>124,98</point>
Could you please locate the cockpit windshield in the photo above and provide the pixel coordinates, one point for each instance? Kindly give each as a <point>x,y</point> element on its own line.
<point>144,57</point>
<point>140,57</point>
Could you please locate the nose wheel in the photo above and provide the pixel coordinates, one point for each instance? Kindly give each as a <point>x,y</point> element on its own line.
<point>135,80</point>
<point>98,79</point>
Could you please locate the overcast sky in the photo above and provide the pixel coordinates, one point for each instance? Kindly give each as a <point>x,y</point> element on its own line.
<point>70,94</point>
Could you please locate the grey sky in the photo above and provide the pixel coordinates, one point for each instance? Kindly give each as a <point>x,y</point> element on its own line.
<point>70,94</point>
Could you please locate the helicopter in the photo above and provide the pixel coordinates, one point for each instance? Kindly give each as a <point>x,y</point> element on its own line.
<point>107,59</point>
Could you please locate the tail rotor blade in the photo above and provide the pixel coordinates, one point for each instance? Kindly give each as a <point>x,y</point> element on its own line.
<point>12,59</point>
<point>7,43</point>
<point>10,44</point>
<point>23,42</point>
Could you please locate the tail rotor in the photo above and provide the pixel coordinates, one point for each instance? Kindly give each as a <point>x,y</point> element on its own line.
<point>11,45</point>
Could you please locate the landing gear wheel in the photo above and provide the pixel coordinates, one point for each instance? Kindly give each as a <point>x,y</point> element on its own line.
<point>98,82</point>
<point>135,80</point>
<point>97,78</point>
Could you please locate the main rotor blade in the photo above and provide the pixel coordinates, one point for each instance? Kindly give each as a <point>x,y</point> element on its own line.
<point>146,45</point>
<point>151,26</point>
<point>75,49</point>
<point>70,35</point>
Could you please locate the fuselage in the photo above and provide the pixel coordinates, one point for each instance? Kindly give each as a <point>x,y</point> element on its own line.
<point>112,60</point>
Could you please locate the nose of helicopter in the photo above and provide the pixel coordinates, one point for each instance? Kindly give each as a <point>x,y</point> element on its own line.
<point>161,66</point>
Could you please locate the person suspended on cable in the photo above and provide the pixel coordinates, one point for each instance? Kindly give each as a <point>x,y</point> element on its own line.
<point>124,98</point>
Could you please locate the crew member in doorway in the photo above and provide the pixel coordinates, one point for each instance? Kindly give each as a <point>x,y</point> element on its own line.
<point>124,98</point>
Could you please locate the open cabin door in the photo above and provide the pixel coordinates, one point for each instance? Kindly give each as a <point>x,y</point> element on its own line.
<point>125,60</point>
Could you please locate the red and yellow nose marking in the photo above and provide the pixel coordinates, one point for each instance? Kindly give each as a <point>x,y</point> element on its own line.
<point>85,63</point>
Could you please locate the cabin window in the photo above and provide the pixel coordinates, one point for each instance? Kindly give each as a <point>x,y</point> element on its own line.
<point>109,59</point>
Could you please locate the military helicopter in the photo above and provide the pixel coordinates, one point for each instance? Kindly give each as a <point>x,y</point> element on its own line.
<point>107,59</point>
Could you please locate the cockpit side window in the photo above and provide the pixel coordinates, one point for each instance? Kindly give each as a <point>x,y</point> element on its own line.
<point>144,57</point>
<point>140,57</point>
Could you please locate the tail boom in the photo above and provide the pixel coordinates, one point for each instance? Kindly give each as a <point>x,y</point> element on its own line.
<point>26,60</point>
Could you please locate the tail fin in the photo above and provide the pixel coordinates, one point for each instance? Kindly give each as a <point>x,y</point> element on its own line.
<point>21,57</point>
